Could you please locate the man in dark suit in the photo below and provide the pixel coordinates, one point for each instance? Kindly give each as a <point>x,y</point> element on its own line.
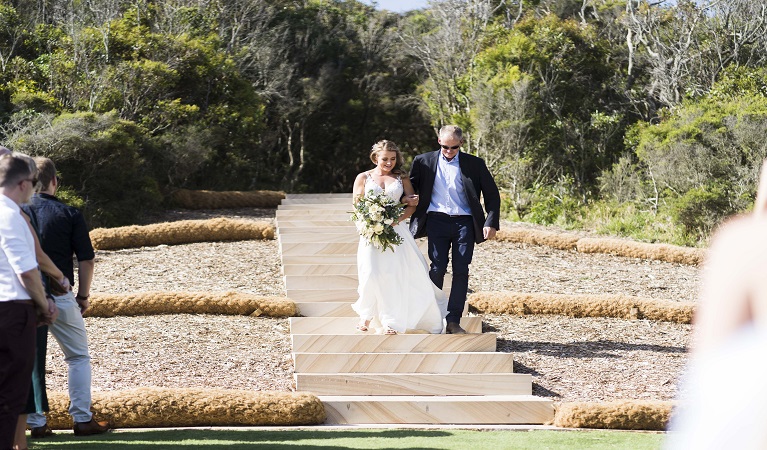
<point>449,184</point>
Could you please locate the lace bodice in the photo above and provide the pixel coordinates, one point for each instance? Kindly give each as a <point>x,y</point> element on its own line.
<point>393,190</point>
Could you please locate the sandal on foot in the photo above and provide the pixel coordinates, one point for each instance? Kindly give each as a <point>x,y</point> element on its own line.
<point>363,325</point>
<point>389,331</point>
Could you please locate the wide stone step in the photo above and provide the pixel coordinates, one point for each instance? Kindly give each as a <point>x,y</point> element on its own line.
<point>320,195</point>
<point>313,214</point>
<point>319,224</point>
<point>347,325</point>
<point>319,248</point>
<point>350,258</point>
<point>345,247</point>
<point>459,410</point>
<point>400,343</point>
<point>322,281</point>
<point>336,282</point>
<point>304,229</point>
<point>317,269</point>
<point>311,237</point>
<point>314,217</point>
<point>415,383</point>
<point>457,362</point>
<point>338,207</point>
<point>323,295</point>
<point>317,201</point>
<point>325,309</point>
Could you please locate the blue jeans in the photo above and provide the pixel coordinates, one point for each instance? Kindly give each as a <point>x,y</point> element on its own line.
<point>69,332</point>
<point>447,233</point>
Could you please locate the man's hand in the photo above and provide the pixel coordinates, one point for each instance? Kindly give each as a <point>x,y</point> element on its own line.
<point>83,303</point>
<point>50,315</point>
<point>489,232</point>
<point>64,282</point>
<point>410,200</point>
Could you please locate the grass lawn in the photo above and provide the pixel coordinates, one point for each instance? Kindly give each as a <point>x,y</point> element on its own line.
<point>356,439</point>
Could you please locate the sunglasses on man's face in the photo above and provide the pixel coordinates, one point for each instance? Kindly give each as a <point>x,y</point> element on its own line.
<point>455,147</point>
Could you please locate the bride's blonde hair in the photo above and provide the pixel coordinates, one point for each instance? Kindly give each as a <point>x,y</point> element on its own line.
<point>388,146</point>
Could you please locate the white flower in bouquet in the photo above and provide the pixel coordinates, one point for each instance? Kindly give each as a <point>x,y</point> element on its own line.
<point>373,216</point>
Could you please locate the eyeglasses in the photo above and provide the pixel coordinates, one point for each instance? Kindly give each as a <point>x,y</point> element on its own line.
<point>31,180</point>
<point>455,147</point>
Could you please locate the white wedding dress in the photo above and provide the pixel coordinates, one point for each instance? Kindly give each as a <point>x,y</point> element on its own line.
<point>394,286</point>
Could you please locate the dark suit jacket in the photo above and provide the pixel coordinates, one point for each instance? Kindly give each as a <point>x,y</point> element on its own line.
<point>477,181</point>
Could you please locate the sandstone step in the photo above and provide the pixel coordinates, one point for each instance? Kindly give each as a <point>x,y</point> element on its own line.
<point>457,362</point>
<point>347,325</point>
<point>317,201</point>
<point>415,383</point>
<point>334,282</point>
<point>300,216</point>
<point>347,280</point>
<point>314,214</point>
<point>311,237</point>
<point>318,269</point>
<point>325,309</point>
<point>333,295</point>
<point>318,248</point>
<point>322,295</point>
<point>337,207</point>
<point>320,195</point>
<point>349,229</point>
<point>463,410</point>
<point>319,259</point>
<point>400,343</point>
<point>316,224</point>
<point>329,248</point>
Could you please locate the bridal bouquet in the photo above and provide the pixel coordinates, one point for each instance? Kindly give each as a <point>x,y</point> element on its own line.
<point>374,215</point>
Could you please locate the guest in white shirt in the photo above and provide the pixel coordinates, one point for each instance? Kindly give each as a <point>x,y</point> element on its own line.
<point>23,303</point>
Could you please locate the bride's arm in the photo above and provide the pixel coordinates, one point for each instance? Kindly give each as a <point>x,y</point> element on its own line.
<point>359,188</point>
<point>410,209</point>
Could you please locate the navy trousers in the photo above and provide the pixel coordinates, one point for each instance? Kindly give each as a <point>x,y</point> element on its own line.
<point>451,236</point>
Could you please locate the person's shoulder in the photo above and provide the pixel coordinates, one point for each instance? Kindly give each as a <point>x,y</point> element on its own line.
<point>425,155</point>
<point>472,158</point>
<point>361,177</point>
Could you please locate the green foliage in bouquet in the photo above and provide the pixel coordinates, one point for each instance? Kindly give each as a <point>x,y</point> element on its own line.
<point>374,215</point>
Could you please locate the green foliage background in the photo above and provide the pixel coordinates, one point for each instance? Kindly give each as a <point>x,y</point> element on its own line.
<point>135,99</point>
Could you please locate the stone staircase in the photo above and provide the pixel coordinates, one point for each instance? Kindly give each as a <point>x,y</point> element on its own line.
<point>366,378</point>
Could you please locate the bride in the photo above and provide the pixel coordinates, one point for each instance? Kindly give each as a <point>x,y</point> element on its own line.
<point>394,286</point>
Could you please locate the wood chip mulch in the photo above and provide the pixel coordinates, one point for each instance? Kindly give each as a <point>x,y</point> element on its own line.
<point>570,359</point>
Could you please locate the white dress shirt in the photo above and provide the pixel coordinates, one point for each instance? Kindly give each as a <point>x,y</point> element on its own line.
<point>448,195</point>
<point>17,251</point>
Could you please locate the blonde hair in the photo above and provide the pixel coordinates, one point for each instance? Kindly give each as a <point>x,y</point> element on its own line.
<point>451,130</point>
<point>387,146</point>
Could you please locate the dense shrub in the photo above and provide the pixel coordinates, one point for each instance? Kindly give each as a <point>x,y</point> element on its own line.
<point>701,209</point>
<point>102,159</point>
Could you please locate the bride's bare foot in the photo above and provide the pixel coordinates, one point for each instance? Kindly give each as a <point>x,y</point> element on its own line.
<point>363,325</point>
<point>389,331</point>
